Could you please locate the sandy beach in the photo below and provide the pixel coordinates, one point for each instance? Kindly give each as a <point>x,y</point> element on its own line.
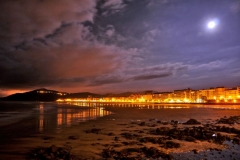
<point>140,132</point>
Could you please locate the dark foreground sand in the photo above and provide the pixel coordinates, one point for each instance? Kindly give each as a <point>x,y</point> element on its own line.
<point>132,133</point>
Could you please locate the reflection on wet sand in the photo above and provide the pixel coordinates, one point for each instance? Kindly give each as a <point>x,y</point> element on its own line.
<point>65,116</point>
<point>41,117</point>
<point>139,106</point>
<point>155,106</point>
<point>77,112</point>
<point>68,116</point>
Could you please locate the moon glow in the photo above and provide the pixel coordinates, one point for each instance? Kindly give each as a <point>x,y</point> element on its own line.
<point>211,24</point>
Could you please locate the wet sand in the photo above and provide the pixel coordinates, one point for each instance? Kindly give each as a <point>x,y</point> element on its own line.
<point>128,128</point>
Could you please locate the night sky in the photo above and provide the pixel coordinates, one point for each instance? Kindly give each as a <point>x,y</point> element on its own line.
<point>116,46</point>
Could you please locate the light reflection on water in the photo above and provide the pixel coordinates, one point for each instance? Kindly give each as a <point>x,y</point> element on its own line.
<point>83,111</point>
<point>67,116</point>
<point>155,106</point>
<point>172,106</point>
<point>138,106</point>
<point>237,107</point>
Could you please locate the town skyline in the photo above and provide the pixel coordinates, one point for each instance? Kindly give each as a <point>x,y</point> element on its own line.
<point>125,91</point>
<point>210,95</point>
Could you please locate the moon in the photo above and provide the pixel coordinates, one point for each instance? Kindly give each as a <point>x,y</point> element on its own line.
<point>211,24</point>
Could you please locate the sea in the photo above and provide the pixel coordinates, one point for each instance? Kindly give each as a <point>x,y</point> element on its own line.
<point>24,119</point>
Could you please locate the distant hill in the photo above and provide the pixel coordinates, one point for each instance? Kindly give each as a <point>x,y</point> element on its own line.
<point>35,95</point>
<point>46,95</point>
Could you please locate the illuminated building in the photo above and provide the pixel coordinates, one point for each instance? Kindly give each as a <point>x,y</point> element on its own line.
<point>148,96</point>
<point>220,93</point>
<point>207,94</point>
<point>212,95</point>
<point>45,91</point>
<point>183,95</point>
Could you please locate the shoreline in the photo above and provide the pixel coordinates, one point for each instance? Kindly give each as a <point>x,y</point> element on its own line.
<point>130,129</point>
<point>146,103</point>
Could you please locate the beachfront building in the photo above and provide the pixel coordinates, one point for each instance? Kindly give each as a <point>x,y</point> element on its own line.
<point>184,95</point>
<point>238,93</point>
<point>212,95</point>
<point>194,96</point>
<point>148,96</point>
<point>166,97</point>
<point>178,95</point>
<point>156,96</point>
<point>206,94</point>
<point>232,94</point>
<point>219,93</point>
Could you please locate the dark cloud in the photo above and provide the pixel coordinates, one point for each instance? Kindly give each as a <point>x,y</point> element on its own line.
<point>110,31</point>
<point>40,66</point>
<point>99,81</point>
<point>160,71</point>
<point>23,21</point>
<point>112,6</point>
<point>151,76</point>
<point>51,46</point>
<point>211,65</point>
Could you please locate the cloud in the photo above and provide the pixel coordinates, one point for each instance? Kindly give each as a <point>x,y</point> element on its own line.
<point>159,71</point>
<point>50,45</point>
<point>151,35</point>
<point>237,74</point>
<point>110,31</point>
<point>235,7</point>
<point>185,76</point>
<point>22,21</point>
<point>130,75</point>
<point>155,3</point>
<point>151,76</point>
<point>109,35</point>
<point>102,80</point>
<point>59,64</point>
<point>171,68</point>
<point>211,65</point>
<point>112,6</point>
<point>68,55</point>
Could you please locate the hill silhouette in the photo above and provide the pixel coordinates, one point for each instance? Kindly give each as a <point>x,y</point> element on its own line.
<point>46,95</point>
<point>35,95</point>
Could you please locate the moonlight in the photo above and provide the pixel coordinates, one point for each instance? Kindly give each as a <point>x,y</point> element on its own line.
<point>212,24</point>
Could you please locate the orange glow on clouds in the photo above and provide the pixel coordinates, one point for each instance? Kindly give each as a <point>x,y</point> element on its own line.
<point>4,93</point>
